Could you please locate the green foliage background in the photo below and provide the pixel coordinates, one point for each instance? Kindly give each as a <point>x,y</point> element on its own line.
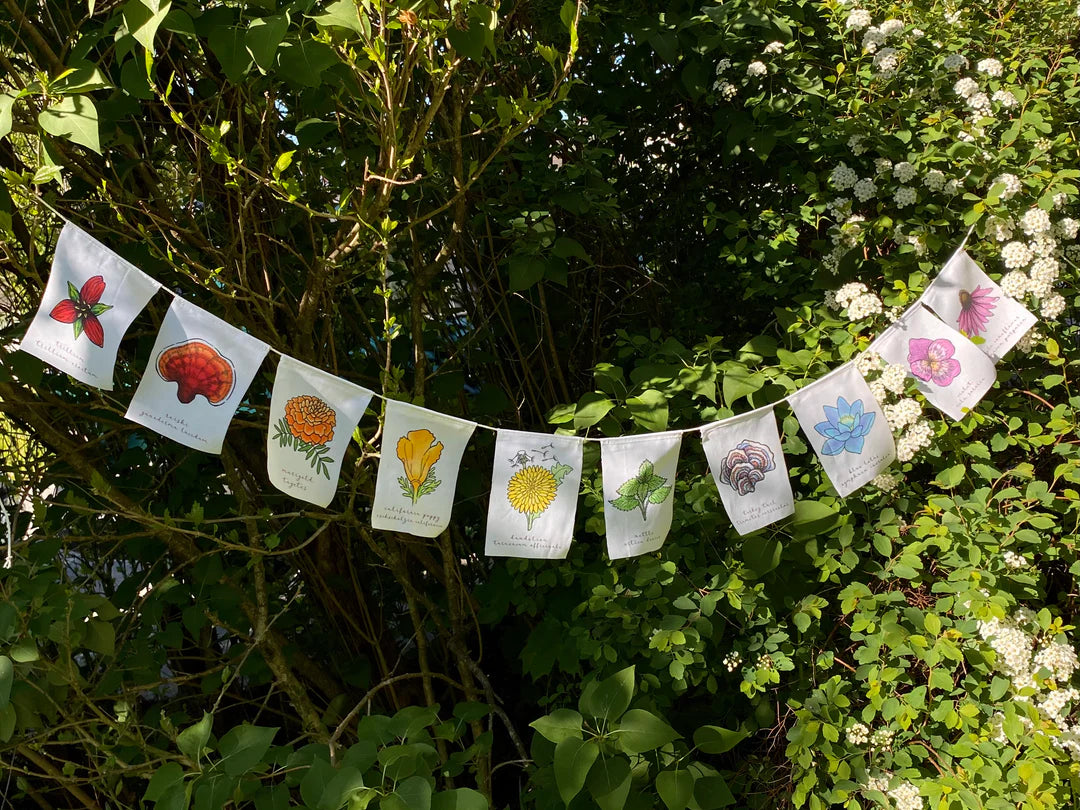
<point>554,218</point>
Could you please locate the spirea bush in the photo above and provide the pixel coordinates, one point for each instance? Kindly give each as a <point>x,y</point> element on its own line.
<point>913,646</point>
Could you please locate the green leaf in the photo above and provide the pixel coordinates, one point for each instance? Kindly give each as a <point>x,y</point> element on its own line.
<point>717,739</point>
<point>949,478</point>
<point>639,731</point>
<point>343,14</point>
<point>609,698</point>
<point>459,799</point>
<point>100,637</point>
<point>762,554</point>
<point>814,517</point>
<point>74,117</point>
<point>8,718</point>
<point>712,792</point>
<point>565,247</point>
<point>227,42</point>
<point>676,788</point>
<point>525,271</point>
<point>625,503</point>
<point>573,759</point>
<point>24,652</point>
<point>561,724</point>
<point>142,18</point>
<point>741,382</point>
<point>649,409</point>
<point>263,37</point>
<point>659,495</point>
<point>414,792</point>
<point>243,747</point>
<point>609,783</point>
<point>169,774</point>
<point>192,740</point>
<point>7,675</point>
<point>591,408</point>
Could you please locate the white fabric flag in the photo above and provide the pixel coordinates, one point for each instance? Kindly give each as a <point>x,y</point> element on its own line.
<point>534,494</point>
<point>748,466</point>
<point>948,368</point>
<point>846,428</point>
<point>199,369</point>
<point>91,298</point>
<point>312,416</point>
<point>418,469</point>
<point>639,485</point>
<point>967,299</point>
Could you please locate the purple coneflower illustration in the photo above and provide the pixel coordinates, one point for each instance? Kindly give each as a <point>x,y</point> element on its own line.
<point>976,307</point>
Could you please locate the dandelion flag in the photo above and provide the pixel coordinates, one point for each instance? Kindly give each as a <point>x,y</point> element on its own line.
<point>534,490</point>
<point>967,300</point>
<point>199,369</point>
<point>846,428</point>
<point>639,488</point>
<point>748,466</point>
<point>312,416</point>
<point>418,468</point>
<point>950,370</point>
<point>91,299</point>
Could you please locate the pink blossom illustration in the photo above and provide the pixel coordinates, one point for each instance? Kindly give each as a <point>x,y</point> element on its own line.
<point>976,307</point>
<point>932,360</point>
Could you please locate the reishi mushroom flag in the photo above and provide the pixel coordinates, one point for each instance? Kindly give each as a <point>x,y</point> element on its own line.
<point>91,299</point>
<point>199,369</point>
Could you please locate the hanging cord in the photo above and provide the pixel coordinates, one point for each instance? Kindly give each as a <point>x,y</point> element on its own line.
<point>10,559</point>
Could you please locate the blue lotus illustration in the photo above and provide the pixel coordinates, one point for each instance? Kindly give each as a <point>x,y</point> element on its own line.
<point>846,428</point>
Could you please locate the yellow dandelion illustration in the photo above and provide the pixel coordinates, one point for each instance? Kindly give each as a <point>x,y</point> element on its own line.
<point>531,491</point>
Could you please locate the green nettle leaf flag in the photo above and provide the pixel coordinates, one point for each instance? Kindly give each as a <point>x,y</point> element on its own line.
<point>639,484</point>
<point>91,299</point>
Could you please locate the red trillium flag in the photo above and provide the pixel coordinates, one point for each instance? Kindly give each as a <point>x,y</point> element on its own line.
<point>312,416</point>
<point>534,490</point>
<point>748,466</point>
<point>948,368</point>
<point>91,299</point>
<point>199,369</point>
<point>418,469</point>
<point>639,491</point>
<point>846,427</point>
<point>966,299</point>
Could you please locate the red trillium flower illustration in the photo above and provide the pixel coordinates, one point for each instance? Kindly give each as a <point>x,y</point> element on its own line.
<point>81,309</point>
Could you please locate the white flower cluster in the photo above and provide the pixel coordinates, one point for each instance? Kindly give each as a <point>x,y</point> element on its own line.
<point>903,413</point>
<point>1011,183</point>
<point>1035,221</point>
<point>886,62</point>
<point>917,437</point>
<point>732,661</point>
<point>999,229</point>
<point>1067,228</point>
<point>904,171</point>
<point>955,62</point>
<point>864,189</point>
<point>1039,666</point>
<point>991,67</point>
<point>878,35</point>
<point>886,482</point>
<point>723,66</point>
<point>1014,560</point>
<point>726,90</point>
<point>843,177</point>
<point>774,47</point>
<point>859,19</point>
<point>757,68</point>
<point>856,145</point>
<point>905,196</point>
<point>867,361</point>
<point>1030,341</point>
<point>1005,99</point>
<point>906,797</point>
<point>966,87</point>
<point>1015,255</point>
<point>882,739</point>
<point>858,734</point>
<point>894,378</point>
<point>879,783</point>
<point>934,180</point>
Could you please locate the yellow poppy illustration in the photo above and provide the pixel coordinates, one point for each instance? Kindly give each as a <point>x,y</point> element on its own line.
<point>418,451</point>
<point>532,489</point>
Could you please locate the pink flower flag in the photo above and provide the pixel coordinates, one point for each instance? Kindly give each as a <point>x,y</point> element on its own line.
<point>976,307</point>
<point>932,360</point>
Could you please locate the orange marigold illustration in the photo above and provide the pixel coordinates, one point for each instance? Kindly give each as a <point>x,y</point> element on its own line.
<point>310,419</point>
<point>418,451</point>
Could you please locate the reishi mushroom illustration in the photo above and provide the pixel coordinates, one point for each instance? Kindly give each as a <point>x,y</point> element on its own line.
<point>197,368</point>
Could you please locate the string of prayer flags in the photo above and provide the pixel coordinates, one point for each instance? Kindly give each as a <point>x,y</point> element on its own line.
<point>418,469</point>
<point>534,495</point>
<point>90,300</point>
<point>639,485</point>
<point>749,469</point>
<point>846,427</point>
<point>948,368</point>
<point>200,368</point>
<point>312,416</point>
<point>967,299</point>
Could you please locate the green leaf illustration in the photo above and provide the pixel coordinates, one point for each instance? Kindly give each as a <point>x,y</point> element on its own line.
<point>643,489</point>
<point>560,471</point>
<point>98,309</point>
<point>73,292</point>
<point>430,485</point>
<point>625,503</point>
<point>659,495</point>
